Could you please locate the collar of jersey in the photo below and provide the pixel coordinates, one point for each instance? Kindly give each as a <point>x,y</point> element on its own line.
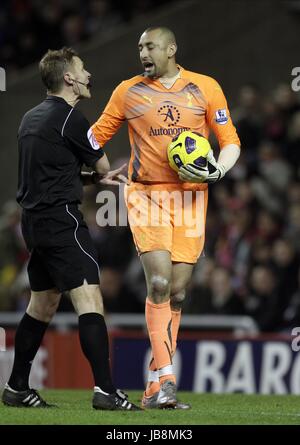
<point>176,87</point>
<point>57,99</point>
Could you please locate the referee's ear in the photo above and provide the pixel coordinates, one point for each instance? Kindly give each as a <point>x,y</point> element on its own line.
<point>67,79</point>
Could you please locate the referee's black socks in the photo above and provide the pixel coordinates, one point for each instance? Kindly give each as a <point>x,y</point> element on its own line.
<point>94,342</point>
<point>28,338</point>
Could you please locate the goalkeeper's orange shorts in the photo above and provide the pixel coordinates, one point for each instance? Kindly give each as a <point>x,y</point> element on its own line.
<point>167,217</point>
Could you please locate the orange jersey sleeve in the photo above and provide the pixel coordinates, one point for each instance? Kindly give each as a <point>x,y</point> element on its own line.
<point>218,116</point>
<point>112,117</point>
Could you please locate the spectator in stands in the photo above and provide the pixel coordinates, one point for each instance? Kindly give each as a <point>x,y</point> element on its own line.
<point>13,254</point>
<point>215,293</point>
<point>198,299</point>
<point>292,228</point>
<point>286,266</point>
<point>248,117</point>
<point>224,300</point>
<point>292,147</point>
<point>263,303</point>
<point>292,312</point>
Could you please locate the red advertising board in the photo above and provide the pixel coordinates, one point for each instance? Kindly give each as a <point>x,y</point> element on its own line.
<point>203,363</point>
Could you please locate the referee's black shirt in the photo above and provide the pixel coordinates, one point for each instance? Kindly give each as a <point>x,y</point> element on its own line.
<point>53,141</point>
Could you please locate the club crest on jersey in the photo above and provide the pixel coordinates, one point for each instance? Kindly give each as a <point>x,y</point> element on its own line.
<point>170,114</point>
<point>221,116</point>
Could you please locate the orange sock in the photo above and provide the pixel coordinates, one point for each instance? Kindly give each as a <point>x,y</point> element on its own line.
<point>176,317</point>
<point>152,365</point>
<point>158,319</point>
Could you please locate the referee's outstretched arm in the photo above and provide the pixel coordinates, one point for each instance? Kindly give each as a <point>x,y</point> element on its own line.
<point>102,165</point>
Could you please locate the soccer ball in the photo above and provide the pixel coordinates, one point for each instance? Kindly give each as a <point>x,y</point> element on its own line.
<point>188,148</point>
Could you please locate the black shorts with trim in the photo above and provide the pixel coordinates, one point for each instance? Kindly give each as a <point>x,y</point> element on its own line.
<point>62,254</point>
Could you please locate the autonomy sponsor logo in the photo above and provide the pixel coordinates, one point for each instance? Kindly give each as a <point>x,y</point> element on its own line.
<point>167,131</point>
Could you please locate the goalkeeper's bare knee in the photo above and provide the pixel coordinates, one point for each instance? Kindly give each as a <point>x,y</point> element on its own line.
<point>177,300</point>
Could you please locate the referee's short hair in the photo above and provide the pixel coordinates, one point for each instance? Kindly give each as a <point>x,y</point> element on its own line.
<point>53,66</point>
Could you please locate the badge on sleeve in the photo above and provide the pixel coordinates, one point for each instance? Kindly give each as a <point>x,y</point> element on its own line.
<point>92,140</point>
<point>221,116</point>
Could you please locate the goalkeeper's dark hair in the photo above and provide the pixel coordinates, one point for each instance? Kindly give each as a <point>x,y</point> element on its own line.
<point>53,66</point>
<point>167,33</point>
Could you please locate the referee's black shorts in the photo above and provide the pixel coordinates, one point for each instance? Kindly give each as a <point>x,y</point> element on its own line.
<point>62,254</point>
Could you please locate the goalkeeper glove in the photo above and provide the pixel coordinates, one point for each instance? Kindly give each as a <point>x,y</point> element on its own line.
<point>209,174</point>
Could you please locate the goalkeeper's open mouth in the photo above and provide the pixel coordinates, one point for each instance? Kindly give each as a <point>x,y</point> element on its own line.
<point>149,67</point>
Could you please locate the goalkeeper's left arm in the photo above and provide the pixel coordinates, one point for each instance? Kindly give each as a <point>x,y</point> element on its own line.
<point>215,170</point>
<point>219,121</point>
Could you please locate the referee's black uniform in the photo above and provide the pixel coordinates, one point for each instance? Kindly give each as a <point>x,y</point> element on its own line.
<point>53,141</point>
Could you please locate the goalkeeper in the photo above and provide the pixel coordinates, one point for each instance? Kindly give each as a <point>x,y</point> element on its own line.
<point>157,105</point>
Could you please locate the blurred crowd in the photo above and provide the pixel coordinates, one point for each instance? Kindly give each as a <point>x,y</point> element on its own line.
<point>28,28</point>
<point>251,263</point>
<point>253,228</point>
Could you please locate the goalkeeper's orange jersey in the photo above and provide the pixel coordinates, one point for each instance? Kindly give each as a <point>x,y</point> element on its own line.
<point>156,114</point>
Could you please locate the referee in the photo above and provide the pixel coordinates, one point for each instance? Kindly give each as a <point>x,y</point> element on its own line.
<point>54,142</point>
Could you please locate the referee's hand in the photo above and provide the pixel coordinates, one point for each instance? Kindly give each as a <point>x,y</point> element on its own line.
<point>114,177</point>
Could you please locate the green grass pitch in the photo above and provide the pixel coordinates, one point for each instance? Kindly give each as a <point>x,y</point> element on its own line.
<point>74,408</point>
